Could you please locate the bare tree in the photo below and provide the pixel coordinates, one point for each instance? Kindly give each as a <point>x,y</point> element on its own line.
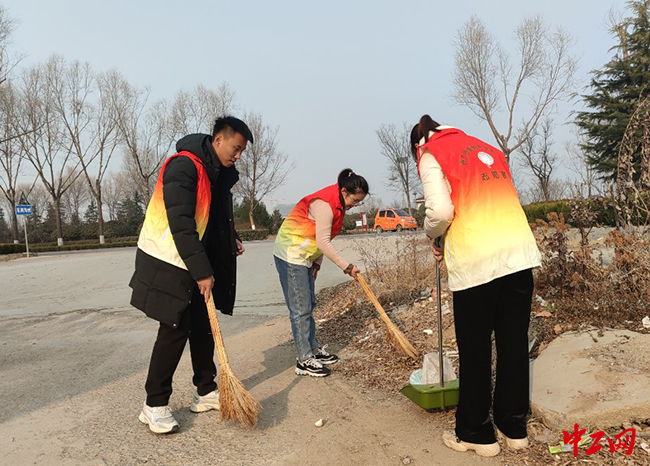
<point>402,169</point>
<point>143,130</point>
<point>7,62</point>
<point>586,182</point>
<point>83,102</point>
<point>539,157</point>
<point>487,82</point>
<point>10,159</point>
<point>75,197</point>
<point>195,112</point>
<point>262,167</point>
<point>114,190</point>
<point>43,143</point>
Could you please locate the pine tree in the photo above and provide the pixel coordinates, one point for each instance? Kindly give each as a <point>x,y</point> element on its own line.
<point>90,216</point>
<point>261,215</point>
<point>617,89</point>
<point>130,214</point>
<point>276,221</point>
<point>5,232</point>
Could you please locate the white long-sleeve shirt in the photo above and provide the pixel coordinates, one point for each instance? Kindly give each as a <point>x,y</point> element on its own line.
<point>437,194</point>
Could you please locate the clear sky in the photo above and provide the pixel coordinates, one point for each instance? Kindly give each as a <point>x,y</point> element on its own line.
<point>327,73</point>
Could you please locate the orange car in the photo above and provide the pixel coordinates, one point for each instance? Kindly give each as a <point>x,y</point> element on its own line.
<point>394,219</point>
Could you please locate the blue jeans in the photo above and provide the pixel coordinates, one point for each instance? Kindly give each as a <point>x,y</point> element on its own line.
<point>298,287</point>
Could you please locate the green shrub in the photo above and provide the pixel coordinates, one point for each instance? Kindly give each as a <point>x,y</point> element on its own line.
<point>349,222</point>
<point>45,247</point>
<point>601,209</point>
<point>419,214</point>
<point>540,210</point>
<point>86,246</point>
<point>11,248</point>
<point>252,235</point>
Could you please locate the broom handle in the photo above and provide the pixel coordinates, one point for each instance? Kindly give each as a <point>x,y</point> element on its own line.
<point>216,332</point>
<point>440,358</point>
<point>373,299</point>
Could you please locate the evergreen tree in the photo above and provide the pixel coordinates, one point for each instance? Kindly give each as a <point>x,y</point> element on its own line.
<point>261,215</point>
<point>617,89</point>
<point>130,214</point>
<point>90,216</point>
<point>5,232</point>
<point>276,221</point>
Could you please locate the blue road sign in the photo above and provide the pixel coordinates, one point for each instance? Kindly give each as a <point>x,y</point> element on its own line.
<point>24,209</point>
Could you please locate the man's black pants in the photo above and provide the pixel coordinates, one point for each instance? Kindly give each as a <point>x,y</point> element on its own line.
<point>168,349</point>
<point>503,306</point>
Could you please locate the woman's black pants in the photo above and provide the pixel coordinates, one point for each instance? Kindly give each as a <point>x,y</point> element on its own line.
<point>503,306</point>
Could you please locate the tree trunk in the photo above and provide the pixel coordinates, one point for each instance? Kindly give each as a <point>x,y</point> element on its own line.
<point>408,202</point>
<point>14,223</point>
<point>250,212</point>
<point>59,229</point>
<point>100,219</point>
<point>100,215</point>
<point>506,152</point>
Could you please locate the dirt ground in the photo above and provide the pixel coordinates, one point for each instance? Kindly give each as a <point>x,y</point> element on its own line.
<point>72,387</point>
<point>74,356</point>
<point>73,360</point>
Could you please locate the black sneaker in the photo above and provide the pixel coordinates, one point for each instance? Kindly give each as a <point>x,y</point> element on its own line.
<point>312,367</point>
<point>324,357</point>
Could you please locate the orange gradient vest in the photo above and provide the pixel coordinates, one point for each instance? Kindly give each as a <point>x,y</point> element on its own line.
<point>489,236</point>
<point>155,237</point>
<point>296,240</point>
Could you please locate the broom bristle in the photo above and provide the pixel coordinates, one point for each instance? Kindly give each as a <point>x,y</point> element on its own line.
<point>400,340</point>
<point>394,333</point>
<point>235,403</point>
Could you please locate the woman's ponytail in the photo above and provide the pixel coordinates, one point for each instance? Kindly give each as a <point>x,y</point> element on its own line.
<point>422,130</point>
<point>352,182</point>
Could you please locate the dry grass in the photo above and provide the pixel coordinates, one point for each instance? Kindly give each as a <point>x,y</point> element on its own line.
<point>604,284</point>
<point>402,276</point>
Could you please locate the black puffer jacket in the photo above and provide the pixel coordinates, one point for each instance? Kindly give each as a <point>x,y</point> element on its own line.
<point>163,291</point>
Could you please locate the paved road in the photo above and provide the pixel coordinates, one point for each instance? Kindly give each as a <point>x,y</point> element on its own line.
<point>97,280</point>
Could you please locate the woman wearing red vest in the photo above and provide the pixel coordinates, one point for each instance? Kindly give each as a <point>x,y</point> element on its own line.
<point>302,240</point>
<point>474,214</point>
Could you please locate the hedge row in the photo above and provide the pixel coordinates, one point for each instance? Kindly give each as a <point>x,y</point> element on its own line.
<point>81,242</point>
<point>252,235</point>
<point>11,248</point>
<point>596,210</point>
<point>17,248</point>
<point>539,210</point>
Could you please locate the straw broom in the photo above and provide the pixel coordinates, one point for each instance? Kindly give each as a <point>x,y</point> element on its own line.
<point>235,403</point>
<point>394,333</point>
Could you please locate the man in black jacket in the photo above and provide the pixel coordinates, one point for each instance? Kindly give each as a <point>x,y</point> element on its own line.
<point>187,249</point>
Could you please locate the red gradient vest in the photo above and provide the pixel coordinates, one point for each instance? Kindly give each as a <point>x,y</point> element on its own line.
<point>489,236</point>
<point>155,237</point>
<point>296,240</point>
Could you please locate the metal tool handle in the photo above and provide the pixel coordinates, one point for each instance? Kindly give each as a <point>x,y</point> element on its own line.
<point>439,296</point>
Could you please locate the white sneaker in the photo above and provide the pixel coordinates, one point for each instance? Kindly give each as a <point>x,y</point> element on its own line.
<point>514,443</point>
<point>159,418</point>
<point>453,442</point>
<point>201,404</point>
